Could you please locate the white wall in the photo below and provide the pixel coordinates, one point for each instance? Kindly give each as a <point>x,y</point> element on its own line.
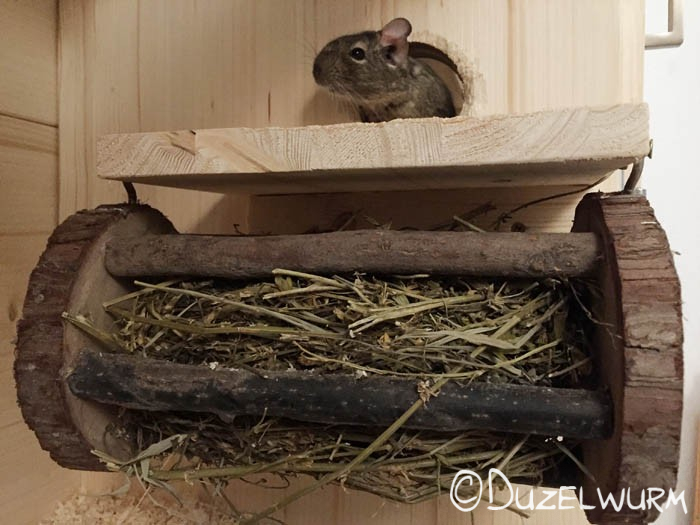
<point>672,181</point>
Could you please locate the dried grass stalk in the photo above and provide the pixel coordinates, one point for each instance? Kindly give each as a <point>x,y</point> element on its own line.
<point>417,326</point>
<point>431,329</point>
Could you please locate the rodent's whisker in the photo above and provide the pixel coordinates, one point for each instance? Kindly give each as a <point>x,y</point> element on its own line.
<point>347,99</point>
<point>308,47</point>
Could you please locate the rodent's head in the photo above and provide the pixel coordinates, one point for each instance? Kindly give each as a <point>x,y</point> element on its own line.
<point>365,66</point>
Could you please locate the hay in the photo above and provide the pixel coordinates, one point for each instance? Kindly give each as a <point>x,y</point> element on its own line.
<point>431,329</point>
<point>519,332</point>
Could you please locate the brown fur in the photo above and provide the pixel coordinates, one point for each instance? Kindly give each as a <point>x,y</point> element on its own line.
<point>386,83</point>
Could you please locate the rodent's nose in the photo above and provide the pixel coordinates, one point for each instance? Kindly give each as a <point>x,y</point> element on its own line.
<point>317,71</point>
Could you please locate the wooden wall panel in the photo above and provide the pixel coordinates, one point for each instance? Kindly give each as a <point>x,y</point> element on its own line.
<point>571,52</point>
<point>30,482</point>
<point>28,33</point>
<point>144,72</point>
<point>28,176</point>
<point>128,66</point>
<point>428,209</point>
<point>163,65</point>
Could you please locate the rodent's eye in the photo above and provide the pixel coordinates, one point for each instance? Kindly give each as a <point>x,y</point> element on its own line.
<point>357,53</point>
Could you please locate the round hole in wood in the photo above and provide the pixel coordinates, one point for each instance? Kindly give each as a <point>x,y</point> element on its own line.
<point>458,81</point>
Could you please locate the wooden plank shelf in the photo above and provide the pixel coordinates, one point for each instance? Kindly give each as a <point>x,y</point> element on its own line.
<point>574,146</point>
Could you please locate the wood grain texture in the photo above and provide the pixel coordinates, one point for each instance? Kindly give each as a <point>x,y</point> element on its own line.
<point>18,254</point>
<point>28,48</point>
<point>30,482</point>
<point>129,66</point>
<point>39,354</point>
<point>572,52</point>
<point>426,210</point>
<point>69,241</point>
<point>139,383</point>
<point>574,146</point>
<point>64,279</point>
<point>517,255</point>
<point>102,84</point>
<point>162,65</point>
<point>639,353</point>
<point>28,176</point>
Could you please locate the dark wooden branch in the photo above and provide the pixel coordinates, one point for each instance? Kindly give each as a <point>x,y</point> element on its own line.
<point>378,251</point>
<point>149,384</point>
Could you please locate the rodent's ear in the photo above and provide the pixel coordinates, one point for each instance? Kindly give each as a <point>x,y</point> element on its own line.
<point>395,35</point>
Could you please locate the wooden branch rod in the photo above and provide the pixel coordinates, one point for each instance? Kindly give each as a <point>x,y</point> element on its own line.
<point>375,251</point>
<point>155,385</point>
